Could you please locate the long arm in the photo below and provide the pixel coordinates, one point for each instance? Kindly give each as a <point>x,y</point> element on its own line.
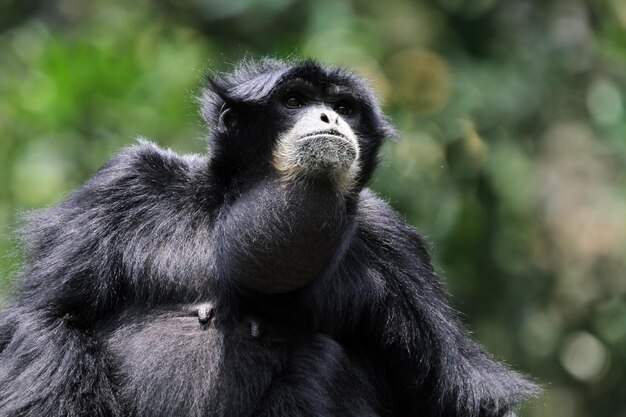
<point>50,367</point>
<point>103,246</point>
<point>389,289</point>
<point>113,239</point>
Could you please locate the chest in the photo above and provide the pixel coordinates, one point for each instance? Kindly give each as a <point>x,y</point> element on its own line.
<point>165,362</point>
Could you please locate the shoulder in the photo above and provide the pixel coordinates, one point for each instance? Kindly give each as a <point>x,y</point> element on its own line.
<point>374,215</point>
<point>136,174</point>
<point>148,164</point>
<point>139,182</point>
<point>373,208</point>
<point>380,226</point>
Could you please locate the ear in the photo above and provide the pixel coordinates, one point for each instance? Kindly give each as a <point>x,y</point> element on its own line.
<point>215,106</point>
<point>244,86</point>
<point>227,120</point>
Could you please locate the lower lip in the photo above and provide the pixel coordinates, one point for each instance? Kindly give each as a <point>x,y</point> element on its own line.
<point>326,136</point>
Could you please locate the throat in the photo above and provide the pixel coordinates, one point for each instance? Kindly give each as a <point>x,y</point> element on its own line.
<point>286,234</point>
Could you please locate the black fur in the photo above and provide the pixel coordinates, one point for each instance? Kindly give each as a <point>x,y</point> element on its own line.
<point>104,322</point>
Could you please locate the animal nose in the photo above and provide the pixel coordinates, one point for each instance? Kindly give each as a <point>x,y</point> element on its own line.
<point>327,116</point>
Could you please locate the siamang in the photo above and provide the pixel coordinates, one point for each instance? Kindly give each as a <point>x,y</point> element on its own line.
<point>263,279</point>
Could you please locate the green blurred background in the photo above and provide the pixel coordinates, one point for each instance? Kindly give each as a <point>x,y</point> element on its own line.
<point>511,159</point>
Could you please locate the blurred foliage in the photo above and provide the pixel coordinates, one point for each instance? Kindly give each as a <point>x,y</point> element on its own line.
<point>511,160</point>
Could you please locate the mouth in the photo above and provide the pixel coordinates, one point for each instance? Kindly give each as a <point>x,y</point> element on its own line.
<point>330,134</point>
<point>325,151</point>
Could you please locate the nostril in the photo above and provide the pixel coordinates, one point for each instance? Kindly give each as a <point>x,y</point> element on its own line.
<point>324,118</point>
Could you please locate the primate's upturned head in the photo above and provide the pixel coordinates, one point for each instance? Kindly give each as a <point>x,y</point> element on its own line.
<point>295,120</point>
<point>320,142</point>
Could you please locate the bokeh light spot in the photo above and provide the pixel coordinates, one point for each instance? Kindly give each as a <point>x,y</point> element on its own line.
<point>604,102</point>
<point>420,78</point>
<point>584,356</point>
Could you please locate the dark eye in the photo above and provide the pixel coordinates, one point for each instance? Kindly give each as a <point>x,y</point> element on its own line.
<point>343,109</point>
<point>293,101</point>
